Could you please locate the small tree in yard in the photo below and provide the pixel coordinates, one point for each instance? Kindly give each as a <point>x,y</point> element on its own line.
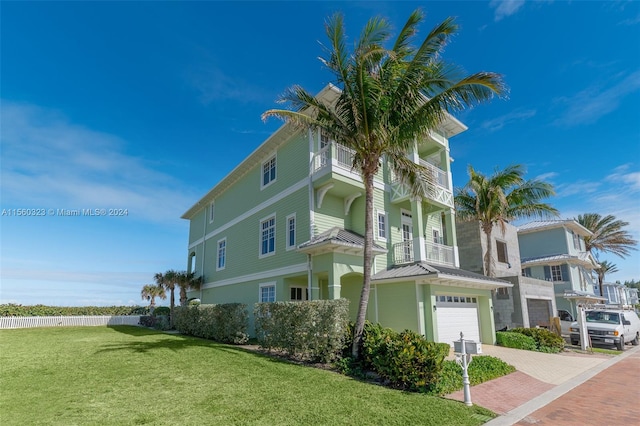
<point>150,292</point>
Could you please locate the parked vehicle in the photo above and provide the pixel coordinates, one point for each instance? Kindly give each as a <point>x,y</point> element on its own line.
<point>609,327</point>
<point>565,321</point>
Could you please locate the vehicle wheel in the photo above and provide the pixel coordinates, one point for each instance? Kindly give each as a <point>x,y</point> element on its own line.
<point>635,341</point>
<point>620,344</point>
<point>575,342</point>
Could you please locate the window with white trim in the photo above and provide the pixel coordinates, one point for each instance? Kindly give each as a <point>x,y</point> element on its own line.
<point>291,231</point>
<point>268,172</point>
<point>299,293</point>
<point>576,240</point>
<point>268,236</point>
<point>267,292</point>
<point>382,225</point>
<point>501,249</point>
<point>192,262</point>
<point>556,273</point>
<point>222,254</point>
<point>212,211</point>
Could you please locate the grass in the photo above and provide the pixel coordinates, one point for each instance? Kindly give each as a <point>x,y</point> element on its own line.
<point>134,376</point>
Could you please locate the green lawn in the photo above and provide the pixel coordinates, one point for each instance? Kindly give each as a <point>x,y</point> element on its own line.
<point>131,375</point>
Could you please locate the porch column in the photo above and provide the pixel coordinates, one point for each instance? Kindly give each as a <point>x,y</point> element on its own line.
<point>334,283</point>
<point>315,287</point>
<point>419,249</point>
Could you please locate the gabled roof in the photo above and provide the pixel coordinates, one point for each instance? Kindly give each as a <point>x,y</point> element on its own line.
<point>550,224</point>
<point>426,273</point>
<point>338,239</point>
<point>582,259</point>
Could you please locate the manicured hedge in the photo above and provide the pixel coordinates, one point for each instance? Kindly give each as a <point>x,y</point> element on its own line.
<point>13,310</point>
<point>226,323</point>
<point>509,339</point>
<point>313,330</point>
<point>546,341</point>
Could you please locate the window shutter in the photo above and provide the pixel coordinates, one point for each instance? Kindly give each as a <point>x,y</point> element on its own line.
<point>565,272</point>
<point>547,273</point>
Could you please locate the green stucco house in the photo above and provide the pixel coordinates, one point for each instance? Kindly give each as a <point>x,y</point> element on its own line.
<point>288,223</point>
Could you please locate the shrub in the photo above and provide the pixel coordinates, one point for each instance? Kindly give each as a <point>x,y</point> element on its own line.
<point>161,310</point>
<point>481,369</point>
<point>313,330</point>
<point>160,322</point>
<point>546,341</point>
<point>405,360</point>
<point>14,310</point>
<point>226,323</point>
<point>509,339</point>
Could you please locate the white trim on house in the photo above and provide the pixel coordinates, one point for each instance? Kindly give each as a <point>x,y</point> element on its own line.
<point>287,270</point>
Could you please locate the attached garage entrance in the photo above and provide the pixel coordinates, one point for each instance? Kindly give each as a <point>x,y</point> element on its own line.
<point>456,314</point>
<point>539,312</point>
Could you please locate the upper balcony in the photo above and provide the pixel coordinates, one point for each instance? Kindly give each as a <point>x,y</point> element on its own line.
<point>435,253</point>
<point>440,192</point>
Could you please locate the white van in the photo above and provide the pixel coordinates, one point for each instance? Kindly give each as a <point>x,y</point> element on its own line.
<point>609,327</point>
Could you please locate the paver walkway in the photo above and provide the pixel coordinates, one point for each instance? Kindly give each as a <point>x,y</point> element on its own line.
<point>610,397</point>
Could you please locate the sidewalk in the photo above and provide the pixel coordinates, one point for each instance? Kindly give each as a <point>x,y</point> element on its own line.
<point>539,392</point>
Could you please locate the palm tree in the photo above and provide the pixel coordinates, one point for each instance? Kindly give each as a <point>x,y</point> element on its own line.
<point>605,268</point>
<point>389,99</point>
<point>607,237</point>
<point>499,199</point>
<point>187,281</point>
<point>168,281</point>
<point>150,292</point>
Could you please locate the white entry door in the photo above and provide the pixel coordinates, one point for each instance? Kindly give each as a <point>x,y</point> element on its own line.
<point>457,314</point>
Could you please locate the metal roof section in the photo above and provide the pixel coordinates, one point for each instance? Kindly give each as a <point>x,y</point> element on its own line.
<point>583,259</point>
<point>426,273</point>
<point>550,224</point>
<point>340,240</point>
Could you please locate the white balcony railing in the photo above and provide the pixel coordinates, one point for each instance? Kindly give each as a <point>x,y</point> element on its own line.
<point>435,253</point>
<point>333,154</point>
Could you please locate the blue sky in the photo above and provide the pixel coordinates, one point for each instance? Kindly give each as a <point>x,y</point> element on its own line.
<point>145,106</point>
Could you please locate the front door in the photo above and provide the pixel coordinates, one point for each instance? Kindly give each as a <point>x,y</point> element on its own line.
<point>407,236</point>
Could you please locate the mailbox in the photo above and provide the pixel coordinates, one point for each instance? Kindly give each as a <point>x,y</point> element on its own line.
<point>470,347</point>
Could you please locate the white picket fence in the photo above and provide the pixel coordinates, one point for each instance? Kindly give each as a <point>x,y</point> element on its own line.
<point>84,320</point>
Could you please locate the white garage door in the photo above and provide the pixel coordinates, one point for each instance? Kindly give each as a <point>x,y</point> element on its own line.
<point>456,314</point>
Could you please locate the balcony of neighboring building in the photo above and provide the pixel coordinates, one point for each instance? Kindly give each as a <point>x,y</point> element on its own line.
<point>436,253</point>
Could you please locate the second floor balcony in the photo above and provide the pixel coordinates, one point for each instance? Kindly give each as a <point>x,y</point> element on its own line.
<point>435,253</point>
<point>439,192</point>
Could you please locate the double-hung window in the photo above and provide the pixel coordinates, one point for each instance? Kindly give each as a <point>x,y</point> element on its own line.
<point>291,232</point>
<point>268,171</point>
<point>268,236</point>
<point>556,273</point>
<point>382,225</point>
<point>222,254</point>
<point>267,292</point>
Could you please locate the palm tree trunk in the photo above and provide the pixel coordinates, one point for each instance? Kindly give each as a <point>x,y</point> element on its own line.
<point>368,250</point>
<point>171,307</point>
<point>488,255</point>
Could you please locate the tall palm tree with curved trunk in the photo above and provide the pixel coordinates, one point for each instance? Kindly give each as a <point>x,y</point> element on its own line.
<point>499,199</point>
<point>150,292</point>
<point>608,236</point>
<point>389,98</point>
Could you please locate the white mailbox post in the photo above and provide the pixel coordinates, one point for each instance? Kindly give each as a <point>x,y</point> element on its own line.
<point>463,350</point>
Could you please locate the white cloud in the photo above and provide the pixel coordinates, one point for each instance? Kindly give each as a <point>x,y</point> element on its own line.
<point>49,162</point>
<point>504,8</point>
<point>595,101</point>
<point>506,119</point>
<point>546,177</point>
<point>582,187</point>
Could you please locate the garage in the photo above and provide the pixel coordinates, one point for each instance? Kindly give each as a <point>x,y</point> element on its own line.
<point>539,312</point>
<point>456,314</point>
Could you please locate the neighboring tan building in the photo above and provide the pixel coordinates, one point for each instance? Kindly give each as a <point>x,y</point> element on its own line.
<point>287,224</point>
<point>530,302</point>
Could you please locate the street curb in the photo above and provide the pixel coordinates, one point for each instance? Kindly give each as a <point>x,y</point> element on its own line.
<point>540,401</point>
